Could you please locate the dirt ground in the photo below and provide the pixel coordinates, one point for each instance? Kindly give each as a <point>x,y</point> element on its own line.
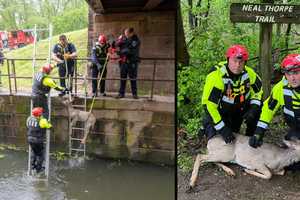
<point>214,184</point>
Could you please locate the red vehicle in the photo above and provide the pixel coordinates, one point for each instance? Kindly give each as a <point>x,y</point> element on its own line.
<point>20,38</point>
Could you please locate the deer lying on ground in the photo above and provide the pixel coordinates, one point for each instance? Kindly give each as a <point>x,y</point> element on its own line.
<point>83,116</point>
<point>261,162</point>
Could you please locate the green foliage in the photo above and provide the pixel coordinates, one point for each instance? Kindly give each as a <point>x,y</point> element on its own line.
<point>190,81</point>
<point>71,20</point>
<point>66,15</point>
<point>185,162</point>
<point>207,43</point>
<point>58,155</point>
<point>12,147</point>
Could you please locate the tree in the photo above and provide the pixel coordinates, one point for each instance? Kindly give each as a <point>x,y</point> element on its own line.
<point>182,53</point>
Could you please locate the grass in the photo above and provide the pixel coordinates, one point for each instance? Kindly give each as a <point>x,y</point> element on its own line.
<point>24,68</point>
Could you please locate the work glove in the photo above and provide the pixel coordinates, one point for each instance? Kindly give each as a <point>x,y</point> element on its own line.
<point>66,90</point>
<point>293,133</point>
<point>257,139</point>
<point>67,56</point>
<point>227,134</point>
<point>251,114</point>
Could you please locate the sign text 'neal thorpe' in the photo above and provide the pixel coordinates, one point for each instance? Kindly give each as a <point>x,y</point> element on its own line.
<point>264,13</point>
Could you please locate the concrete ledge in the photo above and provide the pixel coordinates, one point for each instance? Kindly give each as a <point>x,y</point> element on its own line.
<point>135,129</point>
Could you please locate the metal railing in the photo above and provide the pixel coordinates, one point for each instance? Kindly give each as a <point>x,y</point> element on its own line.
<point>13,86</point>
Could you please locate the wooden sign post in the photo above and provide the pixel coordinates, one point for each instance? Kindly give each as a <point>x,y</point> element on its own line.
<point>266,14</point>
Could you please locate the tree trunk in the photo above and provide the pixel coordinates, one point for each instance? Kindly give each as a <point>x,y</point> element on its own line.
<point>265,52</point>
<point>197,16</point>
<point>287,35</point>
<point>182,53</point>
<point>191,16</point>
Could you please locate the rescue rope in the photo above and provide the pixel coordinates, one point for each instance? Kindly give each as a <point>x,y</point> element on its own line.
<point>100,79</point>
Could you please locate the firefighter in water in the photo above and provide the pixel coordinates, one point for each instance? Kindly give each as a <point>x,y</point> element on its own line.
<point>232,93</point>
<point>129,45</point>
<point>99,55</point>
<point>286,95</point>
<point>64,54</point>
<point>36,136</point>
<point>41,86</point>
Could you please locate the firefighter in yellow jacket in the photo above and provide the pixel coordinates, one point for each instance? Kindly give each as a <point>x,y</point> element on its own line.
<point>285,95</point>
<point>232,93</point>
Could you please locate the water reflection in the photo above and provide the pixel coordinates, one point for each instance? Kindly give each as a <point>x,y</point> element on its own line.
<point>88,180</point>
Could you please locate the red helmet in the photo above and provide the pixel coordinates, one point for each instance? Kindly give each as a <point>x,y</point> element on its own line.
<point>102,39</point>
<point>47,68</point>
<point>291,63</point>
<point>36,112</point>
<point>237,51</point>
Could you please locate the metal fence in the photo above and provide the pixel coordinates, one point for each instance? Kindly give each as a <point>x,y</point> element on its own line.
<point>80,75</point>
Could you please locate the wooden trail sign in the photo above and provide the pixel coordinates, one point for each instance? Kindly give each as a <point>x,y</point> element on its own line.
<point>264,13</point>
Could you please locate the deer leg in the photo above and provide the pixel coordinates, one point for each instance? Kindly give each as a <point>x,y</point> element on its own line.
<point>86,132</point>
<point>200,159</point>
<point>74,121</point>
<point>281,173</point>
<point>263,172</point>
<point>227,170</point>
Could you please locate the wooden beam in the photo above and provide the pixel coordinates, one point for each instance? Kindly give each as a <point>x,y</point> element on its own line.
<point>264,13</point>
<point>152,4</point>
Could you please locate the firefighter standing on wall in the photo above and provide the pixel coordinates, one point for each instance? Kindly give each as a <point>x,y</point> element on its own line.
<point>42,84</point>
<point>64,54</point>
<point>36,136</point>
<point>99,54</point>
<point>232,93</point>
<point>129,45</point>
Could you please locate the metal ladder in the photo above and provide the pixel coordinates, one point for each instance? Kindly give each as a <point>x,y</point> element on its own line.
<point>77,132</point>
<point>75,137</point>
<point>47,142</point>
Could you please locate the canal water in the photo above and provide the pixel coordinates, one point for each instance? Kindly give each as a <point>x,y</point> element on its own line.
<point>94,179</point>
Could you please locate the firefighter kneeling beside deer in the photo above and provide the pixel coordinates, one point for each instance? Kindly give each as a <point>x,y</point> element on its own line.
<point>258,159</point>
<point>77,115</point>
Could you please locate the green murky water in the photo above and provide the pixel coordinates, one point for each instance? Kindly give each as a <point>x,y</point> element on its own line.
<point>85,179</point>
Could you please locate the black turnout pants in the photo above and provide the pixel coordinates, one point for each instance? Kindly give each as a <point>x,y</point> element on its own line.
<point>128,69</point>
<point>62,73</point>
<point>37,156</point>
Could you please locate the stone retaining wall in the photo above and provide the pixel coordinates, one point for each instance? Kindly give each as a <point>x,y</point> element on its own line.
<point>134,129</point>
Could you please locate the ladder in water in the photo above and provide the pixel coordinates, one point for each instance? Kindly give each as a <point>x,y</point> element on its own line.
<point>77,131</point>
<point>47,142</point>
